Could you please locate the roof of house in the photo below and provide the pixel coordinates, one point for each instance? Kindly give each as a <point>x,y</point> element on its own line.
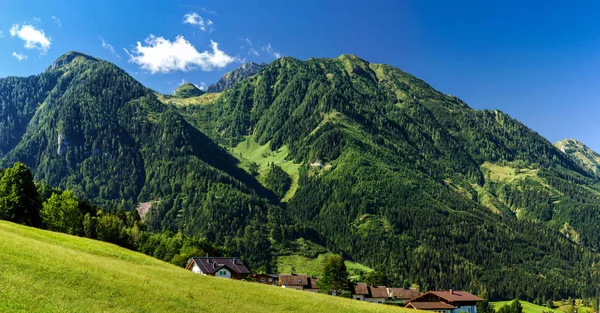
<point>379,292</point>
<point>457,296</point>
<point>268,275</point>
<point>430,305</point>
<point>293,279</point>
<point>313,283</point>
<point>404,294</point>
<point>209,265</point>
<point>361,289</point>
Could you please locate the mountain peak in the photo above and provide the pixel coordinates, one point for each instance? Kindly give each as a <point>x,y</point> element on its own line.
<point>584,156</point>
<point>187,90</point>
<point>69,57</point>
<point>231,78</point>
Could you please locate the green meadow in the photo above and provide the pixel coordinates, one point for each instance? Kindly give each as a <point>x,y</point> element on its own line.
<point>42,271</point>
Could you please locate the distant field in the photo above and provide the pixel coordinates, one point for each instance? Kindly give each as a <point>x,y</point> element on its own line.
<point>507,173</point>
<point>250,151</point>
<point>43,271</point>
<point>528,307</point>
<point>313,267</point>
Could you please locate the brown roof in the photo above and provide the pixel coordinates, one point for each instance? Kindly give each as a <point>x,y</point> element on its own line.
<point>404,294</point>
<point>212,265</point>
<point>361,289</point>
<point>379,292</point>
<point>457,296</point>
<point>293,280</point>
<point>430,306</point>
<point>313,283</point>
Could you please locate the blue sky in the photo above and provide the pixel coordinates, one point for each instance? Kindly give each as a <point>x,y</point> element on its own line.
<point>537,61</point>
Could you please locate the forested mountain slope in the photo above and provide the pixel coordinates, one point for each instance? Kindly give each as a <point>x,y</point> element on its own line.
<point>362,158</point>
<point>86,125</point>
<point>414,182</point>
<point>584,156</point>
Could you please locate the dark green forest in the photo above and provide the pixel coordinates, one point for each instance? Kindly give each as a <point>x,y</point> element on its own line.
<point>392,174</point>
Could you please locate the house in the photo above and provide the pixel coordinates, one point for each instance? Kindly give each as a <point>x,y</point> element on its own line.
<point>312,285</point>
<point>451,301</point>
<point>269,279</point>
<point>360,292</point>
<point>377,294</point>
<point>218,267</point>
<point>403,294</point>
<point>293,281</point>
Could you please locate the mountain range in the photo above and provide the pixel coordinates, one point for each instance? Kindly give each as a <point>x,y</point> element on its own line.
<point>361,159</point>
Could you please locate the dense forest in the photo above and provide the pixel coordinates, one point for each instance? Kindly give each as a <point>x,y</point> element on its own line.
<point>363,159</point>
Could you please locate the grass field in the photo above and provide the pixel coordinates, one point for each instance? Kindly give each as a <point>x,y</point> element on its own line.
<point>506,173</point>
<point>42,271</point>
<point>528,307</point>
<point>250,151</point>
<point>207,98</point>
<point>313,267</point>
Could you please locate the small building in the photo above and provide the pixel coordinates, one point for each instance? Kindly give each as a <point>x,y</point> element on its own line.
<point>312,285</point>
<point>451,301</point>
<point>293,281</point>
<point>219,267</point>
<point>269,279</point>
<point>377,294</point>
<point>403,294</point>
<point>360,292</point>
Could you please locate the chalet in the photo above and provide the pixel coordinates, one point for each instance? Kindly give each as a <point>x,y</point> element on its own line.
<point>312,285</point>
<point>269,279</point>
<point>377,294</point>
<point>403,294</point>
<point>360,292</point>
<point>293,281</point>
<point>451,301</point>
<point>218,267</point>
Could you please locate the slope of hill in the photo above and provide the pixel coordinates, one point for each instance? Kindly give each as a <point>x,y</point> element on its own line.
<point>43,271</point>
<point>528,307</point>
<point>244,71</point>
<point>584,156</point>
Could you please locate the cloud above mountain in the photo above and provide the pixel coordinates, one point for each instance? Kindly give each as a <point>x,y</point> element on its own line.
<point>34,38</point>
<point>160,55</point>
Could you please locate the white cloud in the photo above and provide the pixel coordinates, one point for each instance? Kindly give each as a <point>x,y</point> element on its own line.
<point>109,47</point>
<point>201,86</point>
<point>56,20</point>
<point>163,56</point>
<point>19,56</point>
<point>251,49</point>
<point>34,38</point>
<point>37,19</point>
<point>209,11</point>
<point>268,49</point>
<point>197,20</point>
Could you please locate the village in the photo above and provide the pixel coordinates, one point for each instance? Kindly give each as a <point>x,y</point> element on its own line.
<point>450,301</point>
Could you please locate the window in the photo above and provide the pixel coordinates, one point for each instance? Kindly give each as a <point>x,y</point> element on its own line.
<point>262,280</point>
<point>299,281</point>
<point>270,280</point>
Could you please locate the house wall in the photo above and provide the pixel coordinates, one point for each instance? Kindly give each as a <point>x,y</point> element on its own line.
<point>465,309</point>
<point>224,273</point>
<point>293,287</point>
<point>196,269</point>
<point>375,300</point>
<point>264,279</point>
<point>358,297</point>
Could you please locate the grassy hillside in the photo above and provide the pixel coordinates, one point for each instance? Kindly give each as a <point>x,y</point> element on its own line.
<point>43,271</point>
<point>314,267</point>
<point>528,307</point>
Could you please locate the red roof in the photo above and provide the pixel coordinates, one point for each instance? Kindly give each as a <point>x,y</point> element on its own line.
<point>293,280</point>
<point>430,306</point>
<point>313,283</point>
<point>457,296</point>
<point>404,294</point>
<point>379,292</point>
<point>361,289</point>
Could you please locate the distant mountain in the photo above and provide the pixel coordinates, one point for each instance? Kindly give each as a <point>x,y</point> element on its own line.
<point>187,90</point>
<point>233,77</point>
<point>585,157</point>
<point>363,159</point>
